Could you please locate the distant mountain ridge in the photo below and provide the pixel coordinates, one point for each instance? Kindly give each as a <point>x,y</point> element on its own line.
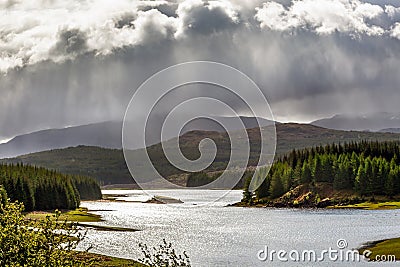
<point>104,134</point>
<point>368,122</point>
<point>390,130</point>
<point>108,165</point>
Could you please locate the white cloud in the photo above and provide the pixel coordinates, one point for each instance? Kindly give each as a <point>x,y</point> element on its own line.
<point>275,16</point>
<point>393,12</point>
<point>30,30</point>
<point>148,27</point>
<point>228,8</point>
<point>396,31</point>
<point>394,15</point>
<point>322,16</point>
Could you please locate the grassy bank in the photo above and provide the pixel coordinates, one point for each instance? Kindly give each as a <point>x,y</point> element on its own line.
<point>78,215</point>
<point>101,260</point>
<point>387,205</point>
<point>83,217</point>
<point>383,248</point>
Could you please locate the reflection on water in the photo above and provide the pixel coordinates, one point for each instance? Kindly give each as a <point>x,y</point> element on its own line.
<point>230,236</point>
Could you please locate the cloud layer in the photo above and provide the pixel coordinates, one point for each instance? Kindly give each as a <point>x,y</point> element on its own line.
<point>61,30</point>
<point>322,16</point>
<point>81,60</point>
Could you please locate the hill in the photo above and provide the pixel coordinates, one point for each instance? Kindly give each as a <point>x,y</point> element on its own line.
<point>294,136</point>
<point>108,165</point>
<point>104,134</point>
<point>367,122</point>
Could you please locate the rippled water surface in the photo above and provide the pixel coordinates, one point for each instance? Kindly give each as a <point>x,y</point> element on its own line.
<point>230,236</point>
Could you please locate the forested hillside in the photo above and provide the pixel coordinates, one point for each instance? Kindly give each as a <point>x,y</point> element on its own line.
<point>42,189</point>
<point>367,169</point>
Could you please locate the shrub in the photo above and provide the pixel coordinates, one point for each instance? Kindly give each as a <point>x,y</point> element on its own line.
<point>49,242</point>
<point>163,256</point>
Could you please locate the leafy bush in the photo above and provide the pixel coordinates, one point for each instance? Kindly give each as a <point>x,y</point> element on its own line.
<point>49,242</point>
<point>163,256</point>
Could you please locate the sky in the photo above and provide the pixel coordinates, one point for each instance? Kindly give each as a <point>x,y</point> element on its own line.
<point>70,62</point>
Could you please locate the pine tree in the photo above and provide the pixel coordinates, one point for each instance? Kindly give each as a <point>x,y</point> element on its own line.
<point>276,190</point>
<point>3,196</point>
<point>390,183</point>
<point>306,175</point>
<point>297,174</point>
<point>263,190</point>
<point>361,180</point>
<point>327,170</point>
<point>318,172</point>
<point>247,195</point>
<point>288,177</point>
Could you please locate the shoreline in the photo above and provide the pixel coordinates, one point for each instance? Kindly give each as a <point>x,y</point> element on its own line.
<point>84,218</point>
<point>99,260</point>
<point>388,248</point>
<point>323,195</point>
<point>78,215</point>
<point>384,205</point>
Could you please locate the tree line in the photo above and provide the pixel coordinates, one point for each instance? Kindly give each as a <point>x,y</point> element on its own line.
<point>42,189</point>
<point>368,168</point>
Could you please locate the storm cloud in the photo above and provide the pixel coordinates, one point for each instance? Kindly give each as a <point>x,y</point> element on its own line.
<point>74,62</point>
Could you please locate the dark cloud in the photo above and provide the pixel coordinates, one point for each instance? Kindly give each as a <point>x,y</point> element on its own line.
<point>71,42</point>
<point>125,20</point>
<point>8,3</point>
<point>200,18</point>
<point>166,9</point>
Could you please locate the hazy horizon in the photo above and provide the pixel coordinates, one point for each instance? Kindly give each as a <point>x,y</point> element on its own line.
<point>5,140</point>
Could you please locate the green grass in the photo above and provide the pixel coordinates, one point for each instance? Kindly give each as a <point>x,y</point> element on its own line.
<point>389,205</point>
<point>78,215</point>
<point>82,215</point>
<point>101,260</point>
<point>384,247</point>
